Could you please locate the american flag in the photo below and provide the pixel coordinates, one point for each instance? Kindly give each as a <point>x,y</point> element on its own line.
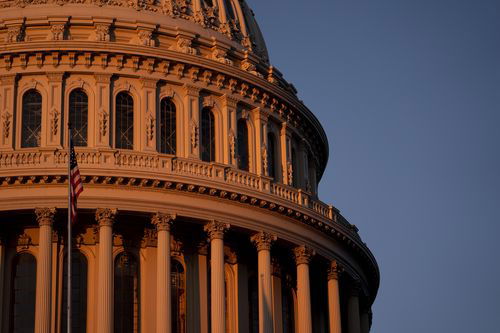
<point>76,185</point>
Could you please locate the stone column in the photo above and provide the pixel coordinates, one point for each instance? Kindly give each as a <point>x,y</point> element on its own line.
<point>333,298</point>
<point>45,218</point>
<point>353,318</point>
<point>263,242</point>
<point>365,320</point>
<point>163,289</point>
<point>303,256</point>
<point>277,296</point>
<point>215,231</point>
<point>105,217</point>
<point>203,285</point>
<point>7,111</point>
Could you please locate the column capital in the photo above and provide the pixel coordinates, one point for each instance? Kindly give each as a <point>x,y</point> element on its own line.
<point>163,221</point>
<point>334,270</point>
<point>355,288</point>
<point>105,216</point>
<point>263,240</point>
<point>303,254</point>
<point>45,216</point>
<point>216,229</point>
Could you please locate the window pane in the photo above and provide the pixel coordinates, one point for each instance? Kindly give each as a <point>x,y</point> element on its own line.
<point>207,146</point>
<point>295,169</point>
<point>32,119</point>
<point>78,116</point>
<point>167,130</point>
<point>124,134</point>
<point>242,144</point>
<point>126,294</point>
<point>271,159</point>
<point>78,294</point>
<point>22,304</point>
<point>178,297</point>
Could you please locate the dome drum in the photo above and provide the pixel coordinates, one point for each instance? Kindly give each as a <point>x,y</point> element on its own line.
<point>200,169</point>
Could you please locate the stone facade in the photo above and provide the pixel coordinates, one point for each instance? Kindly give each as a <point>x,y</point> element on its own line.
<point>200,169</point>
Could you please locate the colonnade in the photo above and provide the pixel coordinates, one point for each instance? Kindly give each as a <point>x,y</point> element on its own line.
<point>357,322</point>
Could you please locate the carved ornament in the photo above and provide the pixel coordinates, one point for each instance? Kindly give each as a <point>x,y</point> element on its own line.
<point>45,216</point>
<point>105,216</point>
<point>303,254</point>
<point>184,45</point>
<point>263,240</point>
<point>216,229</point>
<point>334,270</point>
<point>54,121</point>
<point>194,134</point>
<point>145,37</point>
<point>57,31</point>
<point>6,123</point>
<point>163,221</point>
<point>102,33</point>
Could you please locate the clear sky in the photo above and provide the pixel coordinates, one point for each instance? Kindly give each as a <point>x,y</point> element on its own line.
<point>409,95</point>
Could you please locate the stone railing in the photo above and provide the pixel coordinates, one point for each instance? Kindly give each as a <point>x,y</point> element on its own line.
<point>112,161</point>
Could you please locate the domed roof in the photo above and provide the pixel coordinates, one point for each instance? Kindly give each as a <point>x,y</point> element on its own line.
<point>232,19</point>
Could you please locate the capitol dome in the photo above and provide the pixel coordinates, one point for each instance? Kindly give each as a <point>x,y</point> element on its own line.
<point>200,168</point>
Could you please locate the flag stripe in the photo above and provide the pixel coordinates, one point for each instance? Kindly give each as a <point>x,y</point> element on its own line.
<point>76,184</point>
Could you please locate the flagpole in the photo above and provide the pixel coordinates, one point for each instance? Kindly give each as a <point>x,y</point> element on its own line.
<point>68,251</point>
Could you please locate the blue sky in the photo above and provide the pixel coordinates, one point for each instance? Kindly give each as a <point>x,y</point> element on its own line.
<point>409,95</point>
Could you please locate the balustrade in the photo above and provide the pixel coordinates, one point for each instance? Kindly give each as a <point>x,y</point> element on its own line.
<point>13,162</point>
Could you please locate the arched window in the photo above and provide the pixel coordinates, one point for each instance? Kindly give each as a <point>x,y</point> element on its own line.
<point>32,119</point>
<point>178,280</point>
<point>22,301</point>
<point>243,162</point>
<point>126,294</point>
<point>78,294</point>
<point>124,133</point>
<point>271,157</point>
<point>207,146</point>
<point>295,169</point>
<point>78,116</point>
<point>167,129</point>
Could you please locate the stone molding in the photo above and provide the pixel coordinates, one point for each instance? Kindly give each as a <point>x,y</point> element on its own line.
<point>45,216</point>
<point>263,240</point>
<point>303,255</point>
<point>334,270</point>
<point>163,221</point>
<point>105,217</point>
<point>216,229</point>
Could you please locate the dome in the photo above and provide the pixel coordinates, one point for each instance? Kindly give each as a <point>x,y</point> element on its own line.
<point>229,20</point>
<point>200,170</point>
